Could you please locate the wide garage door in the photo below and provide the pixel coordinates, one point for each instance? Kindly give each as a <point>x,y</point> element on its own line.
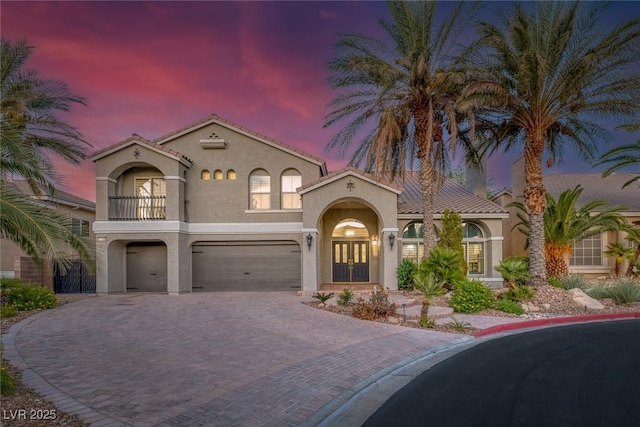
<point>246,266</point>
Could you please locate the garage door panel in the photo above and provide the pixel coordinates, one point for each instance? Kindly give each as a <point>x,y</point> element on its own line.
<point>254,266</point>
<point>147,268</point>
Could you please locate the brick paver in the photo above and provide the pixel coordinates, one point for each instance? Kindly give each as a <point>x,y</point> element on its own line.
<point>205,359</point>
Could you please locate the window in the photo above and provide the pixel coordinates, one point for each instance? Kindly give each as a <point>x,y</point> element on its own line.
<point>472,244</point>
<point>587,252</point>
<point>80,227</point>
<point>290,180</point>
<point>218,175</point>
<point>150,195</point>
<point>231,174</point>
<point>205,175</point>
<point>260,190</point>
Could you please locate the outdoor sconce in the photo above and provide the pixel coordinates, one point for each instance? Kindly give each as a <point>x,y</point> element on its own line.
<point>374,241</point>
<point>392,238</point>
<point>309,240</point>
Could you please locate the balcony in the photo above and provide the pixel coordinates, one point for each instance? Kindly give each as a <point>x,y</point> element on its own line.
<point>134,208</point>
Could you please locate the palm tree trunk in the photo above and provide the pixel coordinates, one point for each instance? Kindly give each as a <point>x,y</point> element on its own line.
<point>424,310</point>
<point>535,201</point>
<point>632,262</point>
<point>426,183</point>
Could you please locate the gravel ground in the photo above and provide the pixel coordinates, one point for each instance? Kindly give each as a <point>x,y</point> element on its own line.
<point>25,407</point>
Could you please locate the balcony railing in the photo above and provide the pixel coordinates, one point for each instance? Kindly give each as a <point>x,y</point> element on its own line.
<point>133,208</point>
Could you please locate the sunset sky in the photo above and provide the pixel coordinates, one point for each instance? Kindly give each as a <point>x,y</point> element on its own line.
<point>151,68</point>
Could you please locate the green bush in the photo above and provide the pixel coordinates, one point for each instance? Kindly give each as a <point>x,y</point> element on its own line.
<point>345,297</point>
<point>444,263</point>
<point>555,282</point>
<point>624,291</point>
<point>427,322</point>
<point>31,297</point>
<point>405,274</point>
<point>7,311</point>
<point>574,281</point>
<point>514,270</point>
<point>378,306</point>
<point>460,325</point>
<point>9,283</point>
<point>7,384</point>
<point>322,297</point>
<point>471,296</point>
<point>509,306</point>
<point>518,294</point>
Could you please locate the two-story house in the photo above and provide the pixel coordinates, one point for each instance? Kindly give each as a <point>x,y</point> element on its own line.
<point>217,207</point>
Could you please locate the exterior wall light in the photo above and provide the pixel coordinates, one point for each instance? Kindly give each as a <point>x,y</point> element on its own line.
<point>309,240</point>
<point>374,241</point>
<point>392,239</point>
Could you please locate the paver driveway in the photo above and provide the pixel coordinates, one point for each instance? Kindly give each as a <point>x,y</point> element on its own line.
<point>208,358</point>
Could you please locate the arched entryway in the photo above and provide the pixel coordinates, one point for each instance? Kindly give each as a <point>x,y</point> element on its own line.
<point>351,255</point>
<point>350,235</point>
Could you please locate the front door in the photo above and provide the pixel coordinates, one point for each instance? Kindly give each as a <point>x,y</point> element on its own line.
<point>351,261</point>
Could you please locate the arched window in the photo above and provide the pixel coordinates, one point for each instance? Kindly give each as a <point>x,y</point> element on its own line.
<point>260,190</point>
<point>231,175</point>
<point>412,243</point>
<point>473,244</point>
<point>218,175</point>
<point>289,181</point>
<point>205,175</point>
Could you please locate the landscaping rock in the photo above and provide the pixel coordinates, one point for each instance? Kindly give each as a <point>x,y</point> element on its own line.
<point>583,300</point>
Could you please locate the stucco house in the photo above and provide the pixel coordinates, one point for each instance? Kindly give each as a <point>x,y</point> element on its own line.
<point>588,258</point>
<point>215,206</point>
<point>15,263</point>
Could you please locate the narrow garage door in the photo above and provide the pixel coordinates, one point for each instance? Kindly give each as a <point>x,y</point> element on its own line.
<point>146,267</point>
<point>246,266</point>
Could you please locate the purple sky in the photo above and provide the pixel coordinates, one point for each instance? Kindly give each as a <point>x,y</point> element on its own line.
<point>151,68</point>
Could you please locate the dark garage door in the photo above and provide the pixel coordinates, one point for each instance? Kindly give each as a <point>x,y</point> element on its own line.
<point>246,266</point>
<point>146,267</point>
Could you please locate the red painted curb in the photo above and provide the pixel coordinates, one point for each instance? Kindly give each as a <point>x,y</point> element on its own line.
<point>553,321</point>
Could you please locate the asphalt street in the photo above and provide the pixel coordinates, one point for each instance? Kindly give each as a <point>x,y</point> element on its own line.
<point>578,375</point>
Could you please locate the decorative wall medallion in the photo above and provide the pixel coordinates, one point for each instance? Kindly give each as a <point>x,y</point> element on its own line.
<point>350,185</point>
<point>136,153</point>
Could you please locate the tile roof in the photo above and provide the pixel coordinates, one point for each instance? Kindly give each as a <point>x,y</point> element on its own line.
<point>452,196</point>
<point>595,187</point>
<point>215,118</point>
<point>356,171</point>
<point>58,196</point>
<point>137,138</point>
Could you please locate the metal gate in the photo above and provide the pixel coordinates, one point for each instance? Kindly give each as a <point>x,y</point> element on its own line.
<point>76,280</point>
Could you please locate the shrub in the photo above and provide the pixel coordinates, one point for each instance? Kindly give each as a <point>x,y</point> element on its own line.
<point>444,263</point>
<point>574,281</point>
<point>555,282</point>
<point>345,297</point>
<point>378,306</point>
<point>7,384</point>
<point>514,270</point>
<point>322,297</point>
<point>7,311</point>
<point>471,296</point>
<point>9,283</point>
<point>508,306</point>
<point>405,274</point>
<point>624,291</point>
<point>451,236</point>
<point>427,322</point>
<point>518,294</point>
<point>459,325</point>
<point>31,297</point>
<point>430,288</point>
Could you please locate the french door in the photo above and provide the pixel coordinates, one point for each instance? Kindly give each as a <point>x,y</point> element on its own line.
<point>350,261</point>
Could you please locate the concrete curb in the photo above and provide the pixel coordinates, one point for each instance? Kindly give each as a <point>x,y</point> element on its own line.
<point>554,321</point>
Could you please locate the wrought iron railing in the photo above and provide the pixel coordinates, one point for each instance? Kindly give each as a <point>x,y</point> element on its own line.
<point>133,208</point>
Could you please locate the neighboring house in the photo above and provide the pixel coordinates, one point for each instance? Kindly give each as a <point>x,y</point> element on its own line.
<point>588,256</point>
<point>15,263</point>
<point>217,207</point>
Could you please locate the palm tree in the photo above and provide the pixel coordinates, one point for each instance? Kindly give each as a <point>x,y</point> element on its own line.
<point>633,235</point>
<point>619,253</point>
<point>406,86</point>
<point>623,156</point>
<point>564,223</point>
<point>31,137</point>
<point>549,72</point>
